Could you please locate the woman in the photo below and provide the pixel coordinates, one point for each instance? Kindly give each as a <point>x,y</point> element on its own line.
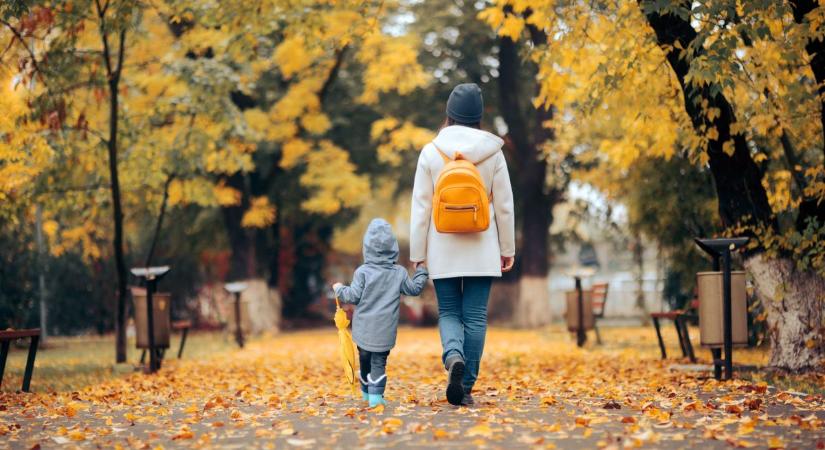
<point>462,265</point>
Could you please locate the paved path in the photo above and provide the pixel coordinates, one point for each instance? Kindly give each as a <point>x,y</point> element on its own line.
<point>537,391</point>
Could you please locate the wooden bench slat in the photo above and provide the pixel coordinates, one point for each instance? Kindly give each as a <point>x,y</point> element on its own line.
<point>17,334</point>
<point>667,315</point>
<point>181,324</point>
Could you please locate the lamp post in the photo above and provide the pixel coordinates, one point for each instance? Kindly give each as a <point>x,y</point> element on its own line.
<point>236,288</point>
<point>151,276</point>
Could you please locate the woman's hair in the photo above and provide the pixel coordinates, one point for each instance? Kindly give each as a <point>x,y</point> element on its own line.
<point>450,121</point>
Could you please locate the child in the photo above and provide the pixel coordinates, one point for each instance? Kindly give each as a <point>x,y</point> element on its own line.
<point>376,291</point>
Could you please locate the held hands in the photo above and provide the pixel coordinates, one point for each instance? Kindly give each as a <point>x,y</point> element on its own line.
<point>507,263</point>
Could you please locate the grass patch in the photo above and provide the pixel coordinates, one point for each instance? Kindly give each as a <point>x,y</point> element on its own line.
<point>72,363</point>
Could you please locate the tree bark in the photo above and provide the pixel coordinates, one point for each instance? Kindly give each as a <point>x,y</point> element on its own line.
<point>113,72</point>
<point>795,303</point>
<point>243,259</point>
<point>536,200</point>
<point>639,261</point>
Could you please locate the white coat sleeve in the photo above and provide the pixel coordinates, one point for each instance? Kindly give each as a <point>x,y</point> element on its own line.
<point>422,205</point>
<point>503,207</point>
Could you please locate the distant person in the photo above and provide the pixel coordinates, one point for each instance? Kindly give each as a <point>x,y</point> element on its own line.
<point>462,226</point>
<point>376,291</point>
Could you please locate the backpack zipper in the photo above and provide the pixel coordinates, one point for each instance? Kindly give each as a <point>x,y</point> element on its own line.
<point>464,208</point>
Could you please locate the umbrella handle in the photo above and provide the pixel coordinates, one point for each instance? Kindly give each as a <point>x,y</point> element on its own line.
<point>337,304</point>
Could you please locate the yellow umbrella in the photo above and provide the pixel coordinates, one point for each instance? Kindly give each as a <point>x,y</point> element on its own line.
<point>347,346</point>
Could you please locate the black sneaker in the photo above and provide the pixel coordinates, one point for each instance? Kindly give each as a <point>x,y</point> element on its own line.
<point>455,374</point>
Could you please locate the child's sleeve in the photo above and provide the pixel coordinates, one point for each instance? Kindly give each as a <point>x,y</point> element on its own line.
<point>352,293</point>
<point>413,286</point>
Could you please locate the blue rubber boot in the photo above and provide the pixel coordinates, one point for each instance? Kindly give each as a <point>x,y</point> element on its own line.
<point>376,399</point>
<point>365,396</point>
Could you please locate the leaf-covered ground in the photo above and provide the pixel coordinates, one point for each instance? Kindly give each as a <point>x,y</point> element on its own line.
<point>536,390</point>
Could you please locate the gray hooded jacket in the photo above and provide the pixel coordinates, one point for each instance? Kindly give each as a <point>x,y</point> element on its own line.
<point>376,289</point>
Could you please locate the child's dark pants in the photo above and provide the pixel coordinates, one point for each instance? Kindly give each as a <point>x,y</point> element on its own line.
<point>373,371</point>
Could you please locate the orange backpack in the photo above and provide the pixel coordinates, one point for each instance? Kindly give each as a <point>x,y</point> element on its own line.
<point>460,200</point>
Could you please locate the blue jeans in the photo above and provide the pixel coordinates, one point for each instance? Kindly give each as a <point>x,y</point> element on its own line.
<point>462,320</point>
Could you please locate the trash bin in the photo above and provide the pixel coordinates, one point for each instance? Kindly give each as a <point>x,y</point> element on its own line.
<point>573,310</point>
<point>711,308</point>
<point>161,318</point>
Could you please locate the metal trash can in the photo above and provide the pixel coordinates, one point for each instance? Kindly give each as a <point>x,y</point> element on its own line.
<point>572,313</point>
<point>711,312</point>
<point>161,318</point>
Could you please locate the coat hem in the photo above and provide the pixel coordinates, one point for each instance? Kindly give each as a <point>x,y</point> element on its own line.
<point>464,274</point>
<point>373,349</point>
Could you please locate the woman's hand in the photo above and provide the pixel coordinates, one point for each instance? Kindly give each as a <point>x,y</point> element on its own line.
<point>507,263</point>
<point>336,286</point>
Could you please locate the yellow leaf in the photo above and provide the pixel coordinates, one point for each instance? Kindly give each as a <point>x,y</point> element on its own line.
<point>259,215</point>
<point>480,430</point>
<point>512,27</point>
<point>77,435</point>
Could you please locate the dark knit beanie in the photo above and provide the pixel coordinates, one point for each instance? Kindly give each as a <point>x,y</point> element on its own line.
<point>465,104</point>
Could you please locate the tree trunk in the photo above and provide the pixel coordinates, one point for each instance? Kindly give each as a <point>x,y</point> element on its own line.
<point>795,303</point>
<point>639,261</point>
<point>535,199</point>
<point>243,259</point>
<point>113,73</point>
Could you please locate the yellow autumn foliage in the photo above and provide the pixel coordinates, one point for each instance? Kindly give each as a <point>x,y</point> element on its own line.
<point>293,152</point>
<point>260,213</point>
<point>395,137</point>
<point>178,131</point>
<point>391,66</point>
<point>24,151</point>
<point>330,176</point>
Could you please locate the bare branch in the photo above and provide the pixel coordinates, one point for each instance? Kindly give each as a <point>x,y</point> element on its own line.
<point>20,38</point>
<point>101,14</point>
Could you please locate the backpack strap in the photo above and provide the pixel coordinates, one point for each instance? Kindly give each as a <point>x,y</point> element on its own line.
<point>443,155</point>
<point>457,156</point>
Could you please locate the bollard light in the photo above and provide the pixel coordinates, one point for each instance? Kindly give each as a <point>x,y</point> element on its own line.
<point>236,288</point>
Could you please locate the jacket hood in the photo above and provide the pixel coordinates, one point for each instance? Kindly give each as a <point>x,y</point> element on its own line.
<point>474,145</point>
<point>380,245</point>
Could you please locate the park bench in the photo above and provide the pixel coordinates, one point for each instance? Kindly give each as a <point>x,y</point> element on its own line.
<point>599,298</point>
<point>6,337</point>
<point>179,325</point>
<point>183,326</point>
<point>680,318</point>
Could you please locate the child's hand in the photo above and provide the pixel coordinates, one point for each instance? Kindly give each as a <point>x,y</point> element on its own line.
<point>336,286</point>
<point>418,264</point>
